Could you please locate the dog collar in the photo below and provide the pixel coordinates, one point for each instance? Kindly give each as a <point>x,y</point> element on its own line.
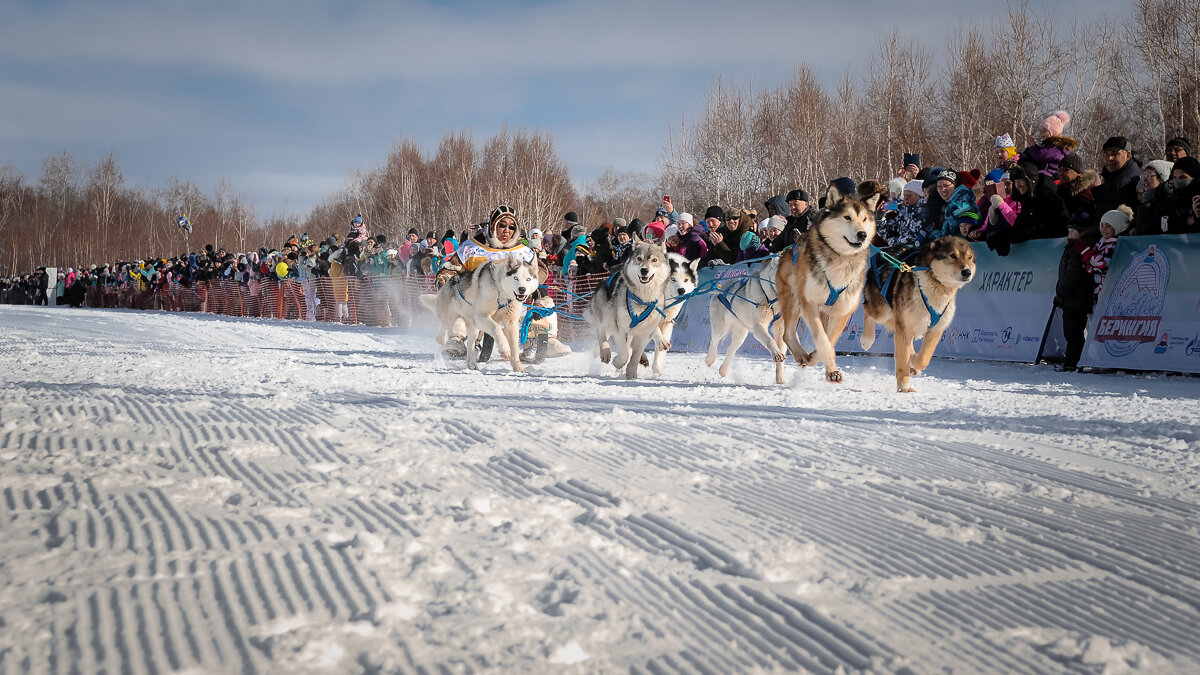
<point>458,287</point>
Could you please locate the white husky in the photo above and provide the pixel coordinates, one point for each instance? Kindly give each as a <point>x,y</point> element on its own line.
<point>744,306</point>
<point>490,299</point>
<point>626,310</point>
<point>681,281</point>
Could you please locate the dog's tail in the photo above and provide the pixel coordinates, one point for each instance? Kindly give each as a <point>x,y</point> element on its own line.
<point>430,301</point>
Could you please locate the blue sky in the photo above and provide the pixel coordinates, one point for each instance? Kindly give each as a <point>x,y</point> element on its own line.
<point>286,98</point>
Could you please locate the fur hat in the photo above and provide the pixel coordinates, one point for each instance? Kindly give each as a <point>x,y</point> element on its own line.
<point>914,186</point>
<point>1119,218</point>
<point>1005,141</point>
<point>1054,124</point>
<point>1161,167</point>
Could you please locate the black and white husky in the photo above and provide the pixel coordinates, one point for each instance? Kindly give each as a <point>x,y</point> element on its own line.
<point>627,310</point>
<point>681,281</point>
<point>490,299</point>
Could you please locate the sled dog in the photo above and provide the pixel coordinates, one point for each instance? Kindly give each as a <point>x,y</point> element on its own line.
<point>490,299</point>
<point>681,281</point>
<point>627,309</point>
<point>821,279</point>
<point>916,304</point>
<point>744,306</point>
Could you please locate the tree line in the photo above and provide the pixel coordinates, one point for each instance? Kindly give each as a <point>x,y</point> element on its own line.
<point>946,97</point>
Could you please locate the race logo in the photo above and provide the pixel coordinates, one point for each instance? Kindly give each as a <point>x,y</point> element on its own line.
<point>1134,308</point>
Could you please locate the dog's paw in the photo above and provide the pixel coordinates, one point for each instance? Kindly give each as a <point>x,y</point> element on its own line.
<point>912,370</point>
<point>645,360</point>
<point>724,369</point>
<point>605,354</point>
<point>834,376</point>
<point>779,358</point>
<point>666,346</point>
<point>710,359</point>
<point>905,390</point>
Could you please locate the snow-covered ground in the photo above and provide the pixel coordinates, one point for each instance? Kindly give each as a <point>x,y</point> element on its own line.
<point>196,493</point>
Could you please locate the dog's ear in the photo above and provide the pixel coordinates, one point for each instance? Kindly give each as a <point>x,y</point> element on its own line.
<point>513,262</point>
<point>832,197</point>
<point>872,201</point>
<point>695,264</point>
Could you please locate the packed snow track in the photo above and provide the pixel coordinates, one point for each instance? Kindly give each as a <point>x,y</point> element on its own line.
<point>201,494</point>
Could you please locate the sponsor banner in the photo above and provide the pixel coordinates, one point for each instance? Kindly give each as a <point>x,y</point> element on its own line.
<point>1001,316</point>
<point>1148,313</point>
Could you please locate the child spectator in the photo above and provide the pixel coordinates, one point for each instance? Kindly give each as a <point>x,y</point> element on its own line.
<point>1052,146</point>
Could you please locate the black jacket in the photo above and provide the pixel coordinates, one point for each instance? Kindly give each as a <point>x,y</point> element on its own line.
<point>1117,188</point>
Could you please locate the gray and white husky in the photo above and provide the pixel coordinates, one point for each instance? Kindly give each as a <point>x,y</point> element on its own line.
<point>627,310</point>
<point>489,299</point>
<point>744,306</point>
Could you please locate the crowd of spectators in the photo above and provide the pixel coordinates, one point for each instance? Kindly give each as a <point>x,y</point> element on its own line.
<point>1053,188</point>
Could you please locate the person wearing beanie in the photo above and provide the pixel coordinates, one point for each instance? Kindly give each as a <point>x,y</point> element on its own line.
<point>1118,178</point>
<point>691,243</point>
<point>750,246</point>
<point>1152,215</point>
<point>801,211</point>
<point>1112,225</point>
<point>1052,147</point>
<point>714,213</point>
<point>653,231</point>
<point>960,214</point>
<point>1178,148</point>
<point>1185,186</point>
<point>903,225</point>
<point>621,243</point>
<point>672,240</point>
<point>619,224</point>
<point>571,219</point>
<point>358,230</point>
<point>1004,151</point>
<point>1040,212</point>
<point>1075,185</point>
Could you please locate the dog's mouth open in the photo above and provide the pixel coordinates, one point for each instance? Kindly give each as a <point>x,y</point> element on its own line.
<point>523,298</point>
<point>853,244</point>
<point>644,278</point>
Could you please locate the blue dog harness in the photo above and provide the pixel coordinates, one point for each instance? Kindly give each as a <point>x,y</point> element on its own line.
<point>877,262</point>
<point>635,318</point>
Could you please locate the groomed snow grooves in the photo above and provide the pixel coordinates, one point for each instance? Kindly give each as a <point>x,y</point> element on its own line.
<point>183,493</point>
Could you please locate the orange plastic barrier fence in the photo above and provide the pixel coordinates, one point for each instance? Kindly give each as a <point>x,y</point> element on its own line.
<point>369,301</point>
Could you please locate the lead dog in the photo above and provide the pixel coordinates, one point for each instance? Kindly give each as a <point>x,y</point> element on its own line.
<point>681,281</point>
<point>626,310</point>
<point>916,303</point>
<point>489,299</point>
<point>744,306</point>
<point>821,279</point>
